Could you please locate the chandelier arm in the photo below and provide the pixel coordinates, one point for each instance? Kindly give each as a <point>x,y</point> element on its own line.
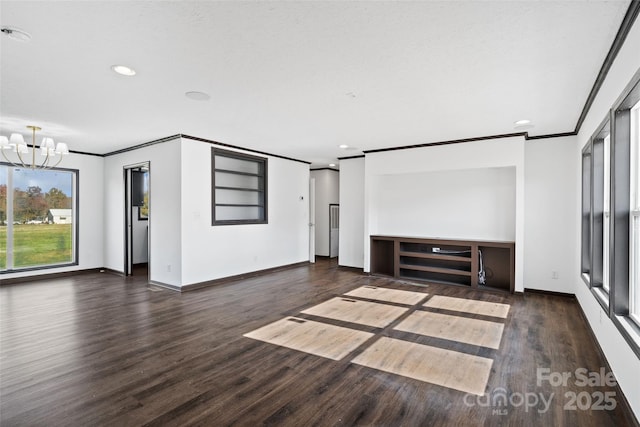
<point>33,148</point>
<point>7,159</point>
<point>58,162</point>
<point>45,162</point>
<point>21,159</point>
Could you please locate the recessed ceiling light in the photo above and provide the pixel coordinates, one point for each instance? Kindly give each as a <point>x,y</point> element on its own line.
<point>522,122</point>
<point>123,70</point>
<point>16,34</point>
<point>343,146</point>
<point>197,96</point>
<point>332,165</point>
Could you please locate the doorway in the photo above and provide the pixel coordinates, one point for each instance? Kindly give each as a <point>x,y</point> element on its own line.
<point>312,220</point>
<point>137,213</point>
<point>334,230</point>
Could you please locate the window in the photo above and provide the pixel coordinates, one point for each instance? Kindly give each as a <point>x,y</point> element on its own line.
<point>634,235</point>
<point>596,208</point>
<point>624,215</point>
<point>143,209</point>
<point>610,246</point>
<point>606,211</point>
<point>239,188</point>
<point>37,218</point>
<point>586,214</point>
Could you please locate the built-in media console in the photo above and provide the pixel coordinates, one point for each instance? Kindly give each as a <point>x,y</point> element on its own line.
<point>474,263</point>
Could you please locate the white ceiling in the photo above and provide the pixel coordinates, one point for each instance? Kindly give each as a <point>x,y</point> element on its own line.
<point>300,78</point>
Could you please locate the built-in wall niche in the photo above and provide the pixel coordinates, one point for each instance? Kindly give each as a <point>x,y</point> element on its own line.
<point>474,263</point>
<point>459,204</point>
<point>239,183</point>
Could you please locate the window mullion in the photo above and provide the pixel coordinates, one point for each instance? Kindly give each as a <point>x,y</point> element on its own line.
<point>9,215</point>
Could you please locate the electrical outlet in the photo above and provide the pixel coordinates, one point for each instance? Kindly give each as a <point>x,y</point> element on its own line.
<point>436,249</point>
<point>168,268</point>
<point>554,275</point>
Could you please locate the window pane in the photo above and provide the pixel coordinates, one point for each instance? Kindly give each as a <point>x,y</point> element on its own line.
<point>586,213</point>
<point>634,283</point>
<point>597,230</point>
<point>3,217</point>
<point>634,235</point>
<point>42,217</point>
<point>606,207</point>
<point>143,211</point>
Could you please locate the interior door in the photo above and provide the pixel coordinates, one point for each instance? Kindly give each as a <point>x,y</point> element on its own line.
<point>334,230</point>
<point>312,220</point>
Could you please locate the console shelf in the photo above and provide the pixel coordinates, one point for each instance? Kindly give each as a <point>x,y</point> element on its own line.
<point>445,261</point>
<point>435,256</point>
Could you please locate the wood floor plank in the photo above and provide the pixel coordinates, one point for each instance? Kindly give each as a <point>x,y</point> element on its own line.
<point>465,305</point>
<point>454,328</point>
<point>386,294</point>
<point>447,368</point>
<point>356,311</point>
<point>102,350</point>
<point>321,339</point>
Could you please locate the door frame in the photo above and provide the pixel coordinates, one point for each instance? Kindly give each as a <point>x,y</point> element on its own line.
<point>330,205</point>
<point>312,220</point>
<point>128,219</point>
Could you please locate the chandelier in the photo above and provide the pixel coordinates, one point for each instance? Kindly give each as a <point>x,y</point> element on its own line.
<point>48,150</point>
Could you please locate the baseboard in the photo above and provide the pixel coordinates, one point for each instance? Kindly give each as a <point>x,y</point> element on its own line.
<point>354,269</point>
<point>48,276</point>
<point>112,271</point>
<point>224,280</point>
<point>554,293</point>
<point>165,286</point>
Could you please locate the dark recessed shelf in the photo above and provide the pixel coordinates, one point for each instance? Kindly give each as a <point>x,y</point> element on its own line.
<point>237,172</point>
<point>445,261</point>
<point>435,269</point>
<point>240,189</point>
<point>431,279</point>
<point>435,255</point>
<point>238,205</point>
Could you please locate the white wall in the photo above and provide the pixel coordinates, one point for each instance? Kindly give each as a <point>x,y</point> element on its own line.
<point>327,192</point>
<point>496,153</point>
<point>624,363</point>
<point>550,198</point>
<point>459,204</point>
<point>210,252</point>
<point>90,215</point>
<point>164,210</point>
<point>351,252</point>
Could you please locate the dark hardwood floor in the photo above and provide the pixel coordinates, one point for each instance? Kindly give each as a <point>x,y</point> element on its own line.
<point>98,349</point>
